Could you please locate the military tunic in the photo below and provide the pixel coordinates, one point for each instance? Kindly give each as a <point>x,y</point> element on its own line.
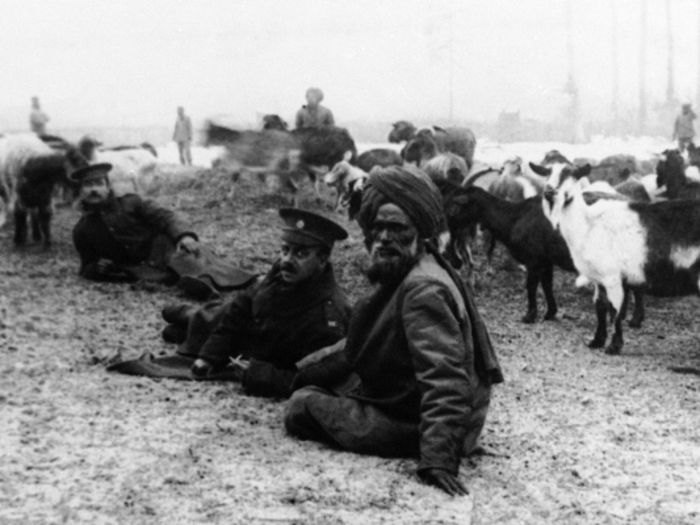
<point>136,234</point>
<point>275,325</point>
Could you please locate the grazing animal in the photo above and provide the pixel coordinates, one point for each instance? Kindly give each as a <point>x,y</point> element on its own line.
<point>523,228</point>
<point>693,155</point>
<point>460,141</point>
<point>30,169</point>
<point>132,167</point>
<point>274,122</point>
<point>619,245</point>
<point>425,152</point>
<point>378,157</point>
<point>346,179</point>
<point>671,172</point>
<point>512,184</point>
<point>291,155</point>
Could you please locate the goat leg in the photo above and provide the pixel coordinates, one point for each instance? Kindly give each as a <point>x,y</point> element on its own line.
<point>547,288</point>
<point>615,346</point>
<point>44,216</point>
<point>638,314</point>
<point>533,280</point>
<point>35,224</point>
<point>601,310</point>
<point>20,214</point>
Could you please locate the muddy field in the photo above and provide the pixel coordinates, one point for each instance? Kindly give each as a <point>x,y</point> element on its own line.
<point>576,436</point>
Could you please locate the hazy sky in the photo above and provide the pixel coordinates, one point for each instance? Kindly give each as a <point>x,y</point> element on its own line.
<point>131,62</point>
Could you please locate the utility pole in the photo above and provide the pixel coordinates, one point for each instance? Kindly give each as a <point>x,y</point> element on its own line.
<point>571,84</point>
<point>615,107</point>
<point>697,96</point>
<point>451,45</point>
<point>670,90</point>
<point>642,116</point>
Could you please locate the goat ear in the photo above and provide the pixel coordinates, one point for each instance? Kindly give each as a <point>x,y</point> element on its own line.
<point>583,171</point>
<point>347,156</point>
<point>461,199</point>
<point>540,170</point>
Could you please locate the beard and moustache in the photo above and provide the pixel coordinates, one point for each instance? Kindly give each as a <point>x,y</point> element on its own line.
<point>390,272</point>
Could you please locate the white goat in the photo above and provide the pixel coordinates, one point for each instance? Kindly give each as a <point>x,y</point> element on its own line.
<point>617,244</point>
<point>132,168</point>
<point>345,178</point>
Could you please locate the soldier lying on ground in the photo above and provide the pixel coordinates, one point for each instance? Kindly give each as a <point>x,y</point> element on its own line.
<point>127,239</point>
<point>267,329</point>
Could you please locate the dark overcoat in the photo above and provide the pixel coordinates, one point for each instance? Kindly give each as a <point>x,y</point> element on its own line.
<point>136,234</point>
<point>274,326</point>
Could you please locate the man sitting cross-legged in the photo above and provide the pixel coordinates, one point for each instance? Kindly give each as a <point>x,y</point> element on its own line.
<point>417,344</point>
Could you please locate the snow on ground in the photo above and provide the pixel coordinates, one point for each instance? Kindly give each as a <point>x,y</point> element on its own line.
<point>488,151</point>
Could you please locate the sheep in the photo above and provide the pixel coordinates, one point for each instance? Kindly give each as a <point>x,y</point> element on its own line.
<point>619,245</point>
<point>425,152</point>
<point>132,167</point>
<point>30,169</point>
<point>378,157</point>
<point>460,141</point>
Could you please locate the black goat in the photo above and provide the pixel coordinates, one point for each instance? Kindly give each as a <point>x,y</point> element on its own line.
<point>524,230</point>
<point>34,188</point>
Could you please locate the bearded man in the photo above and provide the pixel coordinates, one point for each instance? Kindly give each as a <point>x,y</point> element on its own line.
<point>417,345</point>
<point>128,238</point>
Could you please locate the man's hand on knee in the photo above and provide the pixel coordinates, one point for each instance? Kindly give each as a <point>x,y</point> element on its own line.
<point>444,480</point>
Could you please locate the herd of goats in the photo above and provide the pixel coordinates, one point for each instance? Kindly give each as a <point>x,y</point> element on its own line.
<point>627,227</point>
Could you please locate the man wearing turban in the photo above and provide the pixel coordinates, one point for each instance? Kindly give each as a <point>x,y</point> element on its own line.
<point>419,350</point>
<point>313,114</point>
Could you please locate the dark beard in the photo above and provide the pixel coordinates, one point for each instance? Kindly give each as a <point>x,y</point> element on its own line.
<point>391,273</point>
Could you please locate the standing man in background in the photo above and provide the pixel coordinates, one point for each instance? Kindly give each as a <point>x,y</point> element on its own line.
<point>37,118</point>
<point>183,136</point>
<point>314,115</point>
<point>683,128</point>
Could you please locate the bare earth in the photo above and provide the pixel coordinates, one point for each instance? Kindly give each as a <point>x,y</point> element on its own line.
<point>576,436</point>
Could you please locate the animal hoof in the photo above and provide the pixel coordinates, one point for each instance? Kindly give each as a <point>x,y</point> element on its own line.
<point>613,349</point>
<point>550,317</point>
<point>596,343</point>
<point>635,323</point>
<point>529,319</point>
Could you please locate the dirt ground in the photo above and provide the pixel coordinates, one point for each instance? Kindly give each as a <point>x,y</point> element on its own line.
<point>577,436</point>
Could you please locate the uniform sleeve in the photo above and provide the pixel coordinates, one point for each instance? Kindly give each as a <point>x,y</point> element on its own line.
<point>329,327</point>
<point>163,219</point>
<point>437,347</point>
<point>88,262</point>
<point>221,343</point>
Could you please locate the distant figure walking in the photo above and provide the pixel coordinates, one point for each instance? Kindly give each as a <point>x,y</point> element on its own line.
<point>313,114</point>
<point>37,118</point>
<point>183,136</point>
<point>683,128</point>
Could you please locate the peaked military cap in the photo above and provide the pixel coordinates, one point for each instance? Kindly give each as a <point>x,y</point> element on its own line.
<point>91,171</point>
<point>310,229</point>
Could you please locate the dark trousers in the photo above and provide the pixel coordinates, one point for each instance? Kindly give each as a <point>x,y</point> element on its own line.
<point>317,414</point>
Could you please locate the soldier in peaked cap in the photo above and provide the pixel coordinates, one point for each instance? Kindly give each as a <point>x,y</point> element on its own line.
<point>295,310</point>
<point>127,238</point>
